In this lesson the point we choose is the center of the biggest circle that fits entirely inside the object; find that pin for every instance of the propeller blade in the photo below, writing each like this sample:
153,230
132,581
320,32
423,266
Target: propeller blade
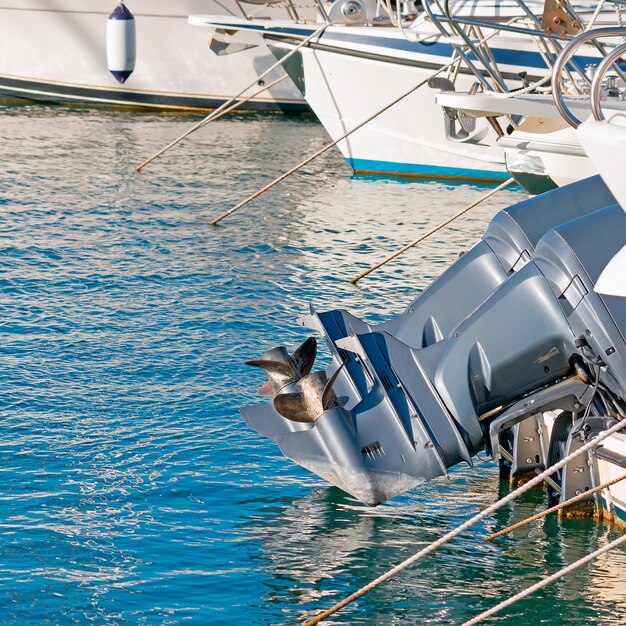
312,388
273,367
293,407
279,353
278,367
282,368
267,389
304,356
329,399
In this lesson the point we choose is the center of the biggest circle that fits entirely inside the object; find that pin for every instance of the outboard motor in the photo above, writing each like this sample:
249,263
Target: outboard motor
508,331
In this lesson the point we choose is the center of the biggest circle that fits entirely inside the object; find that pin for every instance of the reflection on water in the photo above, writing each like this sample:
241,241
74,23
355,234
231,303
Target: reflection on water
131,489
324,545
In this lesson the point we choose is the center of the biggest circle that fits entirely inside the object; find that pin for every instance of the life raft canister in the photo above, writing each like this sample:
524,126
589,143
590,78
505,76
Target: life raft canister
121,43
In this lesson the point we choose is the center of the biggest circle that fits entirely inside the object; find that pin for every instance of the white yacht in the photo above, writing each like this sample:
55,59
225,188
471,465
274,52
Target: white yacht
354,69
542,147
56,51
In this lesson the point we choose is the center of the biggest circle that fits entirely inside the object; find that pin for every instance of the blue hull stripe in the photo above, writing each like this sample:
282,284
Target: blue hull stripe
523,59
434,171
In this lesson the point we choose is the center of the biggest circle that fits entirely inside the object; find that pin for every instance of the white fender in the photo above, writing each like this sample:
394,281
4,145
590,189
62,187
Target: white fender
121,43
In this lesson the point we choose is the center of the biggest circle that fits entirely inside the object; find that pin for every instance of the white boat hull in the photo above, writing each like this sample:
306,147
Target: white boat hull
407,140
558,153
351,73
543,150
55,51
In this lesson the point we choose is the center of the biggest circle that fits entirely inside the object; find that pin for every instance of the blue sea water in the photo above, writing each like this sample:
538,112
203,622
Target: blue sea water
130,489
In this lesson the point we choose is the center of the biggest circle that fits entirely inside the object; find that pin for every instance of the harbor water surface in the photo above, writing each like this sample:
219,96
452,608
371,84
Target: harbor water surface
130,489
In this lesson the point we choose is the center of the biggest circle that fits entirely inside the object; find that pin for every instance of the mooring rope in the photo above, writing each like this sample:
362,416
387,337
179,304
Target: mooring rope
546,581
595,15
214,115
553,509
232,102
432,231
465,525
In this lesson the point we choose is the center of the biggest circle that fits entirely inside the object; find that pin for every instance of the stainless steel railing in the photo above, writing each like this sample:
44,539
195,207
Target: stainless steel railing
565,56
598,80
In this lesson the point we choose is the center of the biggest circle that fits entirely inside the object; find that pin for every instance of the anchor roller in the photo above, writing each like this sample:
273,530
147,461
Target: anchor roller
121,43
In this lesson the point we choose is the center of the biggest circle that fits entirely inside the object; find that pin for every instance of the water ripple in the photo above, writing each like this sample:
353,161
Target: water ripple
132,490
